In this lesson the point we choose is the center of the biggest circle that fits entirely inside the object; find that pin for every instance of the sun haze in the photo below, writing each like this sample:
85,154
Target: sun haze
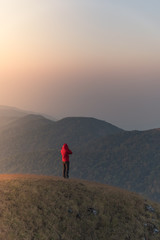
82,58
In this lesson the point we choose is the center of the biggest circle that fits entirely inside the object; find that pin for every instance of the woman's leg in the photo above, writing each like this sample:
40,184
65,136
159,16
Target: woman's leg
67,169
64,169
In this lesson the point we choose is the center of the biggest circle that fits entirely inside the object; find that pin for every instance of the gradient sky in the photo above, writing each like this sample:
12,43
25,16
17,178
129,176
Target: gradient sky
97,58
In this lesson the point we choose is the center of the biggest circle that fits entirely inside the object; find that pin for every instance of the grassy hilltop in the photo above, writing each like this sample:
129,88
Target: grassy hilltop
51,208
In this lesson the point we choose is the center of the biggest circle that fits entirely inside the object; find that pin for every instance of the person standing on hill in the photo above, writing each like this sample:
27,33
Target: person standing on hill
65,151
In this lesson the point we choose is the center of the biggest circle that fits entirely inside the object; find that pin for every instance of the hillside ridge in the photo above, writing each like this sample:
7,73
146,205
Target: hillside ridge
41,207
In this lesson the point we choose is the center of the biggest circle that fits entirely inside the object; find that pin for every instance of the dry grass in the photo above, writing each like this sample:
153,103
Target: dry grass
51,208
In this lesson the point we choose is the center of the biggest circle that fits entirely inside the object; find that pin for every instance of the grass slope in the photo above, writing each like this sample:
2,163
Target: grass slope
50,208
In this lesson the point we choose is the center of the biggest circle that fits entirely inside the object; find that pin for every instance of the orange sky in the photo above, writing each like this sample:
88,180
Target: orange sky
50,35
49,46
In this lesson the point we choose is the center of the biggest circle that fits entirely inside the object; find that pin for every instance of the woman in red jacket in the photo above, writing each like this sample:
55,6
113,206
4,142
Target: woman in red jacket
65,151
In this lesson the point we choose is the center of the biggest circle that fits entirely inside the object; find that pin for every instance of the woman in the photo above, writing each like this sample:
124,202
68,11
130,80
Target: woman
65,151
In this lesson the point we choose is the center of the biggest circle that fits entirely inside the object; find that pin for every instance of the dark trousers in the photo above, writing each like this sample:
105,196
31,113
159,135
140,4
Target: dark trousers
66,169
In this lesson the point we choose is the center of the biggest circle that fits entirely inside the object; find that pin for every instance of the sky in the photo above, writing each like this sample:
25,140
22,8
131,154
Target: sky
93,58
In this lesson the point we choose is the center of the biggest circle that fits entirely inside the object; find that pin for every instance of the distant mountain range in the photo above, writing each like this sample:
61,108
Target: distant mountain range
101,151
9,114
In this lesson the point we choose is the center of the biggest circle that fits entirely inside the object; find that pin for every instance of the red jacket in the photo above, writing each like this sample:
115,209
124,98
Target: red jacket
65,151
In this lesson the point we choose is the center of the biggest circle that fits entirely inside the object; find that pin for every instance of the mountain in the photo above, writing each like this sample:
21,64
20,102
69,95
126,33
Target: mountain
101,152
31,144
9,114
38,207
129,160
6,111
36,133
